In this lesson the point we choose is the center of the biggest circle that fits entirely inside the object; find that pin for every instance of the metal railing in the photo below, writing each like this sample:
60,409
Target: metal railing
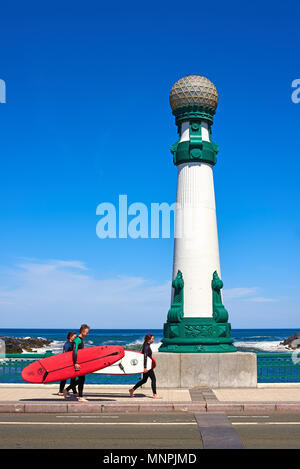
277,368
12,364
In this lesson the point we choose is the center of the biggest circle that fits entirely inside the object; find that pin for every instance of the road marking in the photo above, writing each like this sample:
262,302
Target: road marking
249,416
98,423
265,423
87,416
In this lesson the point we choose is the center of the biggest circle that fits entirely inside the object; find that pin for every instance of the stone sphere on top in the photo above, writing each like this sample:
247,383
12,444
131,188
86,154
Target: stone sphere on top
194,90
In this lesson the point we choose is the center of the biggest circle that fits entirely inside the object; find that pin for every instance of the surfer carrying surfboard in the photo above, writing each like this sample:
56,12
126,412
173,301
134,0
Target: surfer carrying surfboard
146,350
77,345
68,346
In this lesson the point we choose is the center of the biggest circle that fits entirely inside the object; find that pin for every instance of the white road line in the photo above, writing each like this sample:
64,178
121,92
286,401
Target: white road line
87,416
249,416
98,423
265,423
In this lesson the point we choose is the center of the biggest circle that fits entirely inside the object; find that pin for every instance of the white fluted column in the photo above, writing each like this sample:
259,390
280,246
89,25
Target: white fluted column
196,249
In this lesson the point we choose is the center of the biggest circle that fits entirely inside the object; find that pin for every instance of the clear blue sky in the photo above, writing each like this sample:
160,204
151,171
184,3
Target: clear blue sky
87,118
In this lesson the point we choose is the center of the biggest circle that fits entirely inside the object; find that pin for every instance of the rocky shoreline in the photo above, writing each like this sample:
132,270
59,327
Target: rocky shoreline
293,342
21,344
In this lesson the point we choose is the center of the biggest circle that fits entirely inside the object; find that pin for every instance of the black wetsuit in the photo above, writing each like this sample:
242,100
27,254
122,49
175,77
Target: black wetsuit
68,346
77,345
146,350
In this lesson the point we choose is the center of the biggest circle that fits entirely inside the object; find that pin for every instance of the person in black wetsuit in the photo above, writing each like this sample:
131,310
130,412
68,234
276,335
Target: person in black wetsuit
68,346
77,345
146,350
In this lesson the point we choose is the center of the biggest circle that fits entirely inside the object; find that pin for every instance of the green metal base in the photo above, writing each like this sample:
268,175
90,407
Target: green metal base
197,335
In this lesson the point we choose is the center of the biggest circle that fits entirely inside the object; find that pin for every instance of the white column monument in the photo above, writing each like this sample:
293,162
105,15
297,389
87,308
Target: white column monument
197,320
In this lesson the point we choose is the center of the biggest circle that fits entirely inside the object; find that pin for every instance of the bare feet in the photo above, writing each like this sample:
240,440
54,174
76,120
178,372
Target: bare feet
66,394
155,396
60,394
131,391
82,399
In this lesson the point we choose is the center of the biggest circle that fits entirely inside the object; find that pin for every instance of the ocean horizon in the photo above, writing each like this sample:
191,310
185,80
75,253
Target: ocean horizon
246,340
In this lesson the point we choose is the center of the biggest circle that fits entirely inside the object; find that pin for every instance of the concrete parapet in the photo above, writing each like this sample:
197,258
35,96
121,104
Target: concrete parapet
216,370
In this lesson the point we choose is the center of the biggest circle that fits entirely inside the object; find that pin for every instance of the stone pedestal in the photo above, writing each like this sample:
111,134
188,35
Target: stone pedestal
217,370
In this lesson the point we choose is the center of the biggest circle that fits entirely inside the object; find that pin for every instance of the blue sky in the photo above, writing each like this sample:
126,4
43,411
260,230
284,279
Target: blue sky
87,118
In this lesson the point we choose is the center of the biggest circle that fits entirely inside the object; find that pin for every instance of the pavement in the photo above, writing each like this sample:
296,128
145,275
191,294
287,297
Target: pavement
29,398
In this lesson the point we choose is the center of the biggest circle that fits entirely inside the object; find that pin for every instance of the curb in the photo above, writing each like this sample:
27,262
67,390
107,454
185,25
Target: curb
165,407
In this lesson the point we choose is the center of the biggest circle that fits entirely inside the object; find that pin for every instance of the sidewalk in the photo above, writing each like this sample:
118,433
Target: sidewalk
282,392
115,399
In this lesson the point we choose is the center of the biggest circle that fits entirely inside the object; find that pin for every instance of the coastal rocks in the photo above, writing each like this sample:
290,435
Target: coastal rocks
20,344
292,342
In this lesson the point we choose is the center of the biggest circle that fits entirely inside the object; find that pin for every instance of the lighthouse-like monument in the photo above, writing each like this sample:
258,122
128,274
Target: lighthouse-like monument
197,320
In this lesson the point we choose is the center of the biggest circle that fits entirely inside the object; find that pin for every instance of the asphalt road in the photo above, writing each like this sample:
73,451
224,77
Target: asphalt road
131,431
268,431
139,431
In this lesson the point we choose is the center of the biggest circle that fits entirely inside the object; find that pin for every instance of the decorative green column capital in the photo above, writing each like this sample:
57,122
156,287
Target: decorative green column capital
193,112
195,149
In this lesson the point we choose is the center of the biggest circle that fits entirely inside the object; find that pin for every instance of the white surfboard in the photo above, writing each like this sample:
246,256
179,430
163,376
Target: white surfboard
132,363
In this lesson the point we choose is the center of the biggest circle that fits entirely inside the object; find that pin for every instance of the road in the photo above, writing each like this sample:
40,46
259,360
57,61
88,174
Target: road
130,431
268,431
139,431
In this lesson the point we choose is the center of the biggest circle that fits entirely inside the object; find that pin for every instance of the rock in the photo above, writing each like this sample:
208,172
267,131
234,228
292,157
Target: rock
292,342
20,344
295,344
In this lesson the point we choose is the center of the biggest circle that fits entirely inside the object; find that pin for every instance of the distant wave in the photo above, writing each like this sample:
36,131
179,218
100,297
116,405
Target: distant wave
137,345
263,346
136,342
107,342
257,337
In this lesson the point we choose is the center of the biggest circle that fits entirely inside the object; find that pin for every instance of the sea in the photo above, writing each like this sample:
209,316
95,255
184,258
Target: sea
245,340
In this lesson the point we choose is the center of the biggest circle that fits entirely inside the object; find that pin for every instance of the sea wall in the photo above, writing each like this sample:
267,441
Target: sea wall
218,370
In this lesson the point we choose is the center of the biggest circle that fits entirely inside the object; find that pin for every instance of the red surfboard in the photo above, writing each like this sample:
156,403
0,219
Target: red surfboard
60,367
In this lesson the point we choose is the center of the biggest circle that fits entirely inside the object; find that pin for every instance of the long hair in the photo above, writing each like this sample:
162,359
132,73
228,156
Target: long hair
147,337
